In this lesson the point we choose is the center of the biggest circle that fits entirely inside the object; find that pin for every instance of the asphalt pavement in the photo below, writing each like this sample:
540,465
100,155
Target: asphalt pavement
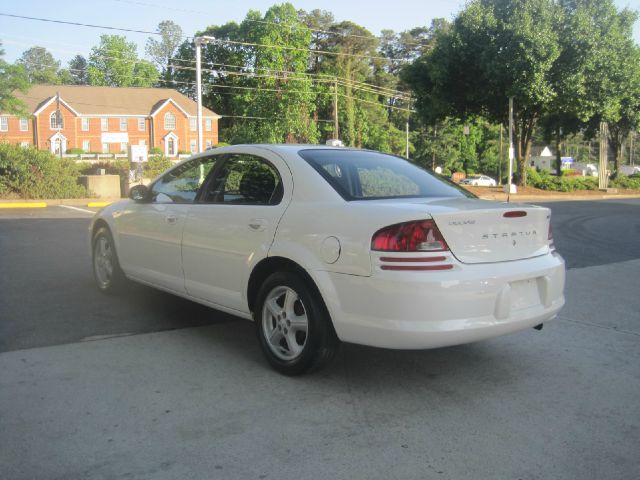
149,386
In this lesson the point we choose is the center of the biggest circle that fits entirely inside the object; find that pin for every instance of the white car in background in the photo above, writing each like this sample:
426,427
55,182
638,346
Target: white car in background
479,181
318,244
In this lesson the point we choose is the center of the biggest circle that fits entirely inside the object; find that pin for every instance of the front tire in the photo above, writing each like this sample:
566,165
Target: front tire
106,268
293,325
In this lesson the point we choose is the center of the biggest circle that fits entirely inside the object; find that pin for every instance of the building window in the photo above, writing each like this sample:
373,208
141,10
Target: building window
24,125
142,142
104,124
141,125
123,147
105,148
207,124
4,124
24,144
193,146
85,124
169,121
209,144
86,145
123,124
55,120
193,124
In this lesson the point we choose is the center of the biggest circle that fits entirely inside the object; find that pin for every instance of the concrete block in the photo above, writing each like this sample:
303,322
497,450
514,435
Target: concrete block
104,186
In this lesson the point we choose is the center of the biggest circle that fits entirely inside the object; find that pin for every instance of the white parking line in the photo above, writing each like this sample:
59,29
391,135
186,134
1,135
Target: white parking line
78,209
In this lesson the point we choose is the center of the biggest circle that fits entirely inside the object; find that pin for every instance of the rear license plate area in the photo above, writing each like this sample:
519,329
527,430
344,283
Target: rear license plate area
524,294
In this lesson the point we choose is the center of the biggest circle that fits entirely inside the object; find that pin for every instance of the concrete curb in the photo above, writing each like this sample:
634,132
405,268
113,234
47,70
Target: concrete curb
23,205
78,202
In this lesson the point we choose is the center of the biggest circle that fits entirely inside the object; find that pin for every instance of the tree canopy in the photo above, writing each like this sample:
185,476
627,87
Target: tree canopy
115,63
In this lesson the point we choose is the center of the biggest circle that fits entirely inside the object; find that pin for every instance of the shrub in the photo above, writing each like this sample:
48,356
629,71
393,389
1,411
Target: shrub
545,181
75,151
155,151
32,173
156,165
632,181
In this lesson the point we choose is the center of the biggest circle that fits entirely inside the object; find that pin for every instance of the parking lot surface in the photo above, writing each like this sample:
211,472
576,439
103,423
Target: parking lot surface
149,386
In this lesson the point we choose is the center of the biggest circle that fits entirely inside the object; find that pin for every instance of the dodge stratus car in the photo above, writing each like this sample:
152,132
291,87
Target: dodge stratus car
318,245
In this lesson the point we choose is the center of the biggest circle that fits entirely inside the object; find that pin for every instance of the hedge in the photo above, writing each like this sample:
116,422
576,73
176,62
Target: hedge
32,173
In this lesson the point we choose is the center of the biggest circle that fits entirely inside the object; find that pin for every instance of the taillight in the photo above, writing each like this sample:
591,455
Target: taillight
417,236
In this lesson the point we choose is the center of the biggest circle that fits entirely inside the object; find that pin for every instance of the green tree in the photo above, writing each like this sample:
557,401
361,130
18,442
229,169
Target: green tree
163,49
604,84
12,78
115,63
495,49
78,70
40,66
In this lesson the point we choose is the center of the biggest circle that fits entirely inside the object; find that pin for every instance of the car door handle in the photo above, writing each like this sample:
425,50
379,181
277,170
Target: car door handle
171,219
257,224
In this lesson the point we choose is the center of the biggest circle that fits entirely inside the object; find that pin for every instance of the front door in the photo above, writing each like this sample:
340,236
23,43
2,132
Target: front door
58,144
150,234
233,225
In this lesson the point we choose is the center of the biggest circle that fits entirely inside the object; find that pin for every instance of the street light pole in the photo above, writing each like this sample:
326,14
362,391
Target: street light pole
199,41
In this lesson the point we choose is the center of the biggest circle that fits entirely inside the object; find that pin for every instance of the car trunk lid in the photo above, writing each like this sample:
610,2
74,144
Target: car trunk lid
495,234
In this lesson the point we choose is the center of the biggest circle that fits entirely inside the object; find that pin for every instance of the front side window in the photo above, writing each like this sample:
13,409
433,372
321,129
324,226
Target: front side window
169,121
85,124
4,124
55,120
181,184
24,125
362,175
104,124
245,180
123,124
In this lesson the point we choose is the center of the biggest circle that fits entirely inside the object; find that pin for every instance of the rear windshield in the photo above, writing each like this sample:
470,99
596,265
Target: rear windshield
367,175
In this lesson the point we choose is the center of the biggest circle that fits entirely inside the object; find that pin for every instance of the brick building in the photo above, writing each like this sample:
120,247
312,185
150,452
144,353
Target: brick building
108,119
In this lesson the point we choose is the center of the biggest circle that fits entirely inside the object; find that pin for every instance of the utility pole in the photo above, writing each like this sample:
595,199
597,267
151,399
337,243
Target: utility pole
500,157
407,128
510,188
336,132
199,41
59,124
603,174
433,153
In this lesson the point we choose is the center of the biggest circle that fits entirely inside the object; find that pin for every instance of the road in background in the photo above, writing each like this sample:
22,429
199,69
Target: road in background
149,386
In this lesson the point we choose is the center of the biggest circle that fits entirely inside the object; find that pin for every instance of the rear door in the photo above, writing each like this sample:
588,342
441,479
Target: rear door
233,225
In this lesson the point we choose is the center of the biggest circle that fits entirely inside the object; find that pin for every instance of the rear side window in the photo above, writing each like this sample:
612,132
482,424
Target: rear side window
245,180
362,175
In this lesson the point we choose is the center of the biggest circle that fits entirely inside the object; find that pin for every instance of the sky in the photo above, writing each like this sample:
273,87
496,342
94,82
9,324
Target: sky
65,41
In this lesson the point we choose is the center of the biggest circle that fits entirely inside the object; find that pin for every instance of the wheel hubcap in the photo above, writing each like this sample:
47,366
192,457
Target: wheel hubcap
284,323
103,261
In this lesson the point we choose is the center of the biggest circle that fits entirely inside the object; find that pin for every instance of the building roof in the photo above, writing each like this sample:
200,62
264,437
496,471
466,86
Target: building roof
90,100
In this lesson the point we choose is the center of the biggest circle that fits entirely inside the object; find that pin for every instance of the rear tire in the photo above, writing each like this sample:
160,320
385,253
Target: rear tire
107,273
293,325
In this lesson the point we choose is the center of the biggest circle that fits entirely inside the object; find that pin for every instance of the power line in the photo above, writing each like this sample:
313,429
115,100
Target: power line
266,22
249,44
364,86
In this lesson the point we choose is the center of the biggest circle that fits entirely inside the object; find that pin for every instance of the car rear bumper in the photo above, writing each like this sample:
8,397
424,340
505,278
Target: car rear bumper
415,310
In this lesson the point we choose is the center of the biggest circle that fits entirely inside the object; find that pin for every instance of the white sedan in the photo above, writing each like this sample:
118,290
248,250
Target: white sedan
479,181
318,244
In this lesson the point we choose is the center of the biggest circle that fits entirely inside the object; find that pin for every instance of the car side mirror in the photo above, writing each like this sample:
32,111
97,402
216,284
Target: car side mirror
140,193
